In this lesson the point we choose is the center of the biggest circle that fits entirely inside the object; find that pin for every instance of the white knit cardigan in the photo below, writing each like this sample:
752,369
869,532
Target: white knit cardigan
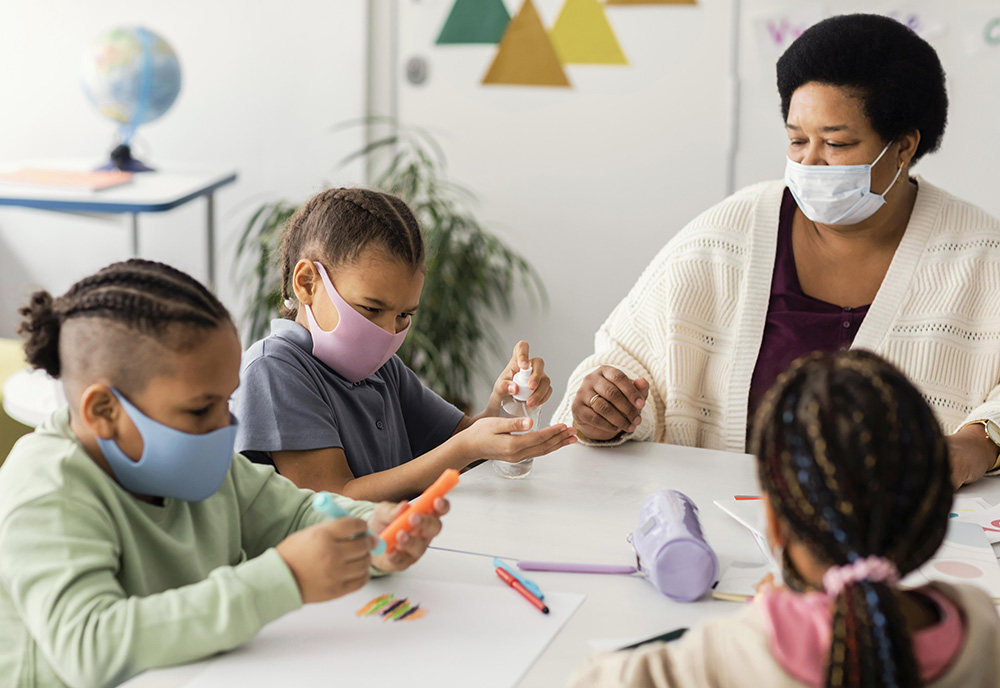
692,324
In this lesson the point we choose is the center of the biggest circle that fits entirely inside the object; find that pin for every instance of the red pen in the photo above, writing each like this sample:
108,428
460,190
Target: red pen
525,593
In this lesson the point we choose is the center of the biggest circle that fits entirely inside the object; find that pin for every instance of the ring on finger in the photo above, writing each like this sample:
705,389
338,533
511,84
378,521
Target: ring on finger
593,399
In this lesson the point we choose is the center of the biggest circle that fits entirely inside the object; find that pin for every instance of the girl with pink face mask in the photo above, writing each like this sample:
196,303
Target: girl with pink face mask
324,398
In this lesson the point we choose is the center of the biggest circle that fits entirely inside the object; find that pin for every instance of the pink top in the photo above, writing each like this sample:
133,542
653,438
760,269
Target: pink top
799,635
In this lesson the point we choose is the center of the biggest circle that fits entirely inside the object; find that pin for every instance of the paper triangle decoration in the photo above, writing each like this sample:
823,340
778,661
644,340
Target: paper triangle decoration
652,2
525,56
474,21
582,35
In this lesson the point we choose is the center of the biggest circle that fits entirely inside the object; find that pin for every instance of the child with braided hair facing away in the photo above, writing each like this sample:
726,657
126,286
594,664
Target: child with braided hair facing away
325,399
855,478
131,535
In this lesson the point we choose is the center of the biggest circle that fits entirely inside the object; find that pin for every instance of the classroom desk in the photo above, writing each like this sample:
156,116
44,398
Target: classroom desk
577,505
166,188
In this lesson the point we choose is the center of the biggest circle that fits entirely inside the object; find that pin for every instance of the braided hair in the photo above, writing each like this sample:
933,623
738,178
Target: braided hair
854,461
336,225
144,297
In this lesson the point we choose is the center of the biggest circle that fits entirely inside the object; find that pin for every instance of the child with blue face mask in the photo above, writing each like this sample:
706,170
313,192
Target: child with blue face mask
325,400
131,536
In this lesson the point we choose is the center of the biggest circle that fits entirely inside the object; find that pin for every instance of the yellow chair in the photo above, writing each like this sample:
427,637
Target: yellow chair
11,361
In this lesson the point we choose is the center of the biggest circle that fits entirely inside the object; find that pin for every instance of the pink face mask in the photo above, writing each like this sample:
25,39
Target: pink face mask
356,347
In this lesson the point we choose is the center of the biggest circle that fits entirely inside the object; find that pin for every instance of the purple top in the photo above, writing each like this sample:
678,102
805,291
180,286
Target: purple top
796,324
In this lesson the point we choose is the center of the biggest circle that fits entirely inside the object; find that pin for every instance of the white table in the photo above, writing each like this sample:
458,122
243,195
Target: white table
577,505
168,187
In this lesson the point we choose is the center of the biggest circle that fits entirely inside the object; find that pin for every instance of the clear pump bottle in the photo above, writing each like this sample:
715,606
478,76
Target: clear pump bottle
516,406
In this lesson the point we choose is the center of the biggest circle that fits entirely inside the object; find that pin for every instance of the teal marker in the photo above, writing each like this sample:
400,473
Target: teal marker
324,503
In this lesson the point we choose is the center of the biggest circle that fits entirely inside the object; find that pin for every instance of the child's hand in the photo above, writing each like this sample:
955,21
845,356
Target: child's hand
505,386
490,438
328,559
409,546
766,585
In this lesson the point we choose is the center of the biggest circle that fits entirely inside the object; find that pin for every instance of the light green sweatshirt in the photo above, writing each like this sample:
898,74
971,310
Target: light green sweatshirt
97,586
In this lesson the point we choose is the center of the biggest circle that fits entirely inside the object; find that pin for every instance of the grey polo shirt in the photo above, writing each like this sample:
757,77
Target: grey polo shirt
290,400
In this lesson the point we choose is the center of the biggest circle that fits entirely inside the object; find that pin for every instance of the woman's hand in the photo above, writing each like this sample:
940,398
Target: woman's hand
972,454
609,403
410,546
539,382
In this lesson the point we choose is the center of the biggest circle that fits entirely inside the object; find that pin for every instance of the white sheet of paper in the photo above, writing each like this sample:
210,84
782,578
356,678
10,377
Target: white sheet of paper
750,514
965,505
965,557
987,519
740,580
472,635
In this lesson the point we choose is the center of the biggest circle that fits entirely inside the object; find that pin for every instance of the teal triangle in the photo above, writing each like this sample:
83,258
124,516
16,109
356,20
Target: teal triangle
475,21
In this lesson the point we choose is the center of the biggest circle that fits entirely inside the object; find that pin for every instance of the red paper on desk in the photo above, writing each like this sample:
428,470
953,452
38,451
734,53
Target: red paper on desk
67,179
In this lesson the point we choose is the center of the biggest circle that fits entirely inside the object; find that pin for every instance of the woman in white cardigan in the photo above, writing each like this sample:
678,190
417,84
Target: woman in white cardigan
847,250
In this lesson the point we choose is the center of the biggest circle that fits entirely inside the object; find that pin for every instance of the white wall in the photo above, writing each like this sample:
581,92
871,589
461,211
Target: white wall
587,182
264,82
963,165
591,182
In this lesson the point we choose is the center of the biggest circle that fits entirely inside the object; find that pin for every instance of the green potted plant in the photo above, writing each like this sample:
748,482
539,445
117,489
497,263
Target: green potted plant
472,276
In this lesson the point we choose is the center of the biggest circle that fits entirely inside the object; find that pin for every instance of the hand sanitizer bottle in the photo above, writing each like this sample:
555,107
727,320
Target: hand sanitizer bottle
516,407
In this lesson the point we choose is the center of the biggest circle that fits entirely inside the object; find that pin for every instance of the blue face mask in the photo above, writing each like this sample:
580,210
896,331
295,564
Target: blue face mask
173,464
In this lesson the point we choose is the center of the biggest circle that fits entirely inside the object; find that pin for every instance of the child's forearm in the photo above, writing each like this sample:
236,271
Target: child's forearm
466,422
92,632
413,477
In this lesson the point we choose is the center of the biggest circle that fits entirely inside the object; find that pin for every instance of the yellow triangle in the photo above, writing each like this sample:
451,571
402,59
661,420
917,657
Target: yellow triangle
525,56
582,35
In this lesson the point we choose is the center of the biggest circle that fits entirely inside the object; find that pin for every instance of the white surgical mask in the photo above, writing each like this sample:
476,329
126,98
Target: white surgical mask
835,194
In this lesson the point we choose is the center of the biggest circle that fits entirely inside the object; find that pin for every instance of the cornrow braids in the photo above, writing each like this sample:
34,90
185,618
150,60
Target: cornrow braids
854,461
143,296
336,225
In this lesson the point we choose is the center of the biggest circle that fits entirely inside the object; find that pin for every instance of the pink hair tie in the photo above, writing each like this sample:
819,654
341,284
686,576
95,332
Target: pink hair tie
874,569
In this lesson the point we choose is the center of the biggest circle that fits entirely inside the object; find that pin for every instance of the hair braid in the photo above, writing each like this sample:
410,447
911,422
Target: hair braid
142,295
848,451
336,225
291,243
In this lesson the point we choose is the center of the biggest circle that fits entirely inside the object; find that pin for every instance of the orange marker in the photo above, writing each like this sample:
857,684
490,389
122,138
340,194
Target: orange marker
424,504
525,593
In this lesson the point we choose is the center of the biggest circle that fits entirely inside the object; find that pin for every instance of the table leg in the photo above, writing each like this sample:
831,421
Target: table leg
135,234
210,238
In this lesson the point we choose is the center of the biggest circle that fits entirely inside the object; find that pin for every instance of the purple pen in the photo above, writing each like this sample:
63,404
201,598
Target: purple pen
565,567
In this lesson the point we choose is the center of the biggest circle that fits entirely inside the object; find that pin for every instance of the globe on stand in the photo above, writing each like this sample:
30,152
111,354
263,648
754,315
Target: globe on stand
132,76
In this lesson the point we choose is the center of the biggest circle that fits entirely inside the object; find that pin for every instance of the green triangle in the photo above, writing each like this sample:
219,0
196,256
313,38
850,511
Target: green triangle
475,21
